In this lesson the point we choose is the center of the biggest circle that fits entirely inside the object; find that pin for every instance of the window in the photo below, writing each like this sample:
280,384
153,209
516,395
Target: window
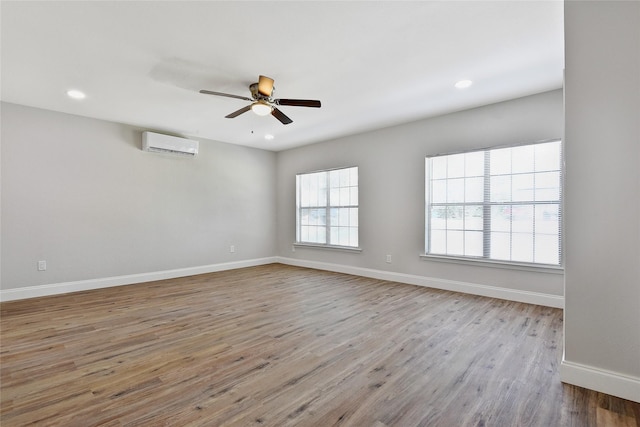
327,207
501,204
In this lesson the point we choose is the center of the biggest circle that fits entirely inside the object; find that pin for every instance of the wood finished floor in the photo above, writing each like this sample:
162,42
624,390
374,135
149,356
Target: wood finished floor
278,345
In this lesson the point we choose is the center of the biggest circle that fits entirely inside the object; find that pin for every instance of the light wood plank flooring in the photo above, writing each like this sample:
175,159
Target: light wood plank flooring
278,345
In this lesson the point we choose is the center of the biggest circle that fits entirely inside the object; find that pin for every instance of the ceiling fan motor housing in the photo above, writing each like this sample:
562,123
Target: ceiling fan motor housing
255,93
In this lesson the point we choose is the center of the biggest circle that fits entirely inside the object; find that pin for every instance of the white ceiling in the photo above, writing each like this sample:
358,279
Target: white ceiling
372,64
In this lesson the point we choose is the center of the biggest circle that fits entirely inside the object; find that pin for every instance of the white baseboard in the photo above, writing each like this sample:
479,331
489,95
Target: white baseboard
85,285
600,380
547,300
450,285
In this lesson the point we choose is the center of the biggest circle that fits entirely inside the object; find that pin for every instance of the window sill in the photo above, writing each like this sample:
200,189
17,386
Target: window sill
550,269
329,247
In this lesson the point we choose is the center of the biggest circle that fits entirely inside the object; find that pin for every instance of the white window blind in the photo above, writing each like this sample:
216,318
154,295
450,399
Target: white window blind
500,204
327,207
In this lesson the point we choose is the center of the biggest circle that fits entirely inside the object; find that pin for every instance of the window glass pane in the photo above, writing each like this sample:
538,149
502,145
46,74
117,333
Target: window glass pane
322,198
455,217
547,219
344,196
438,218
522,218
344,177
522,159
473,243
439,167
500,188
455,190
353,217
353,176
353,195
500,246
547,250
547,156
353,236
334,196
316,181
500,161
304,233
333,216
501,218
304,216
548,186
439,191
455,242
322,180
522,247
304,190
473,217
474,189
455,166
522,188
334,179
344,236
343,217
322,189
313,190
438,242
321,216
474,164
334,235
313,234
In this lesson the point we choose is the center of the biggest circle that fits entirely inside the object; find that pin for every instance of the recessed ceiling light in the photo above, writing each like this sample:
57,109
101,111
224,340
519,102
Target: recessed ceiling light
76,94
268,137
463,84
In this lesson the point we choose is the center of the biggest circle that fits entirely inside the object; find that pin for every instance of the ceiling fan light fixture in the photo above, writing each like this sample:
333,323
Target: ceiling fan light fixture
261,108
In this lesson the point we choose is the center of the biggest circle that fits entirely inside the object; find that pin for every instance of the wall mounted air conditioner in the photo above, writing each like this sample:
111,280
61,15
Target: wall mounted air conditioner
159,143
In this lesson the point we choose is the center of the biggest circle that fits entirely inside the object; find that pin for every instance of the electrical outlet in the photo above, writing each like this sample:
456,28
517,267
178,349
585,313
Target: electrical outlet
389,259
42,265
232,248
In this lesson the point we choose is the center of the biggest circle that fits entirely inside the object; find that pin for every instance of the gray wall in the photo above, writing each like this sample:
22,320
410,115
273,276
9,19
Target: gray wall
391,187
80,194
602,316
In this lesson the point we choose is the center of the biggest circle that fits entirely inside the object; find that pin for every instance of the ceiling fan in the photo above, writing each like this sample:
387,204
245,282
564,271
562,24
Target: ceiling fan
263,103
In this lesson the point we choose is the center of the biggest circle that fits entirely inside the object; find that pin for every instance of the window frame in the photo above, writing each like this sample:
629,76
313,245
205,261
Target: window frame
485,259
327,207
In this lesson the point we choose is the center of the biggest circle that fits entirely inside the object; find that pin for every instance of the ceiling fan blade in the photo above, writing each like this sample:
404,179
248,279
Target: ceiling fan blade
265,86
228,95
238,112
299,102
281,116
